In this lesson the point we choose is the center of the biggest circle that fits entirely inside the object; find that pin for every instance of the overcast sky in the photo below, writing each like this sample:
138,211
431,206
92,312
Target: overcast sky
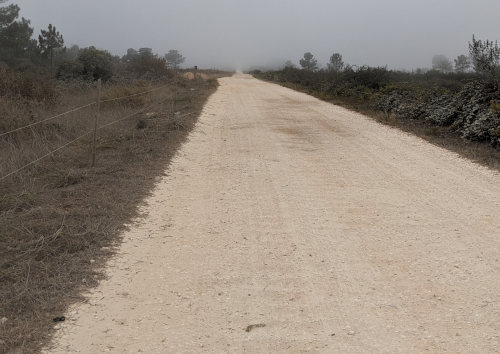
242,33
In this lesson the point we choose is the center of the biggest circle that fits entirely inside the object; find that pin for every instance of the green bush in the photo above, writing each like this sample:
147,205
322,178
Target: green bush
150,65
69,70
97,64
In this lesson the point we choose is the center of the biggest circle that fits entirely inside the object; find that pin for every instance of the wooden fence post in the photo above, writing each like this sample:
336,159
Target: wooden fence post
174,98
94,143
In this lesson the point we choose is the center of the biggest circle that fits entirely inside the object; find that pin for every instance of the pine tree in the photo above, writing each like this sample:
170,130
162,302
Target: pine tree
174,59
462,64
15,35
50,40
336,63
309,62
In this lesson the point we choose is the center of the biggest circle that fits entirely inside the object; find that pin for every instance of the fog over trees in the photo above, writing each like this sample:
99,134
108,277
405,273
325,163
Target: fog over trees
240,34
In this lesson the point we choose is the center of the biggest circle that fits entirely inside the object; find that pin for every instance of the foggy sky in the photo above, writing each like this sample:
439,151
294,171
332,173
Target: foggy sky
237,34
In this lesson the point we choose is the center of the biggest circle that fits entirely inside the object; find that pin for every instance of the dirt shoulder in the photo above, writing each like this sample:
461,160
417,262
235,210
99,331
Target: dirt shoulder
62,220
286,224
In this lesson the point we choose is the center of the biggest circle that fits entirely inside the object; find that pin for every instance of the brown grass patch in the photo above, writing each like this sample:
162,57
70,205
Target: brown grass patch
133,97
60,220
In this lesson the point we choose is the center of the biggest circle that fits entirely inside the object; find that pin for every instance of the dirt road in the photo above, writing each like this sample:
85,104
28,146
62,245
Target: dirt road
327,231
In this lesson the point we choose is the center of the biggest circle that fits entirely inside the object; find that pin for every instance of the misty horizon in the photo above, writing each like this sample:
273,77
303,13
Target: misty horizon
238,35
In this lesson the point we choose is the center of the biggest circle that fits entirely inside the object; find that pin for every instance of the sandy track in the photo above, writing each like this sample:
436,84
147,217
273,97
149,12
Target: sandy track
339,234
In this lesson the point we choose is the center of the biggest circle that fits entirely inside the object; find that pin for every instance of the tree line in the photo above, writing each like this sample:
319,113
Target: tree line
483,58
20,50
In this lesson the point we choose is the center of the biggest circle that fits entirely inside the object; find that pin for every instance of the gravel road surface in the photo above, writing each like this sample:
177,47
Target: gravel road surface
287,224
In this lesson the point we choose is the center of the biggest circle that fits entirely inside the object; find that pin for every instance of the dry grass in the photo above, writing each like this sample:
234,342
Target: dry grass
60,219
134,100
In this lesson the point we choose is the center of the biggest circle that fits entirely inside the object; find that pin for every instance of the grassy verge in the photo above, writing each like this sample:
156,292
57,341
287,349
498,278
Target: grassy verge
365,101
60,220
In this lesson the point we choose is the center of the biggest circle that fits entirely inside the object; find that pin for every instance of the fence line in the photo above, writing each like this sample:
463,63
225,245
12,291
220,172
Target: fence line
78,109
48,119
80,137
136,94
44,156
127,117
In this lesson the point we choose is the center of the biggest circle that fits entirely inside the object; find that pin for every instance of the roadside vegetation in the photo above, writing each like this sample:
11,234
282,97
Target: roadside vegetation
455,105
60,219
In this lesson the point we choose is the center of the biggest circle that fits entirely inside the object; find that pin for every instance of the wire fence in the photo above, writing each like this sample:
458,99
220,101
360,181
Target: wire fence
47,119
76,109
44,156
134,95
96,127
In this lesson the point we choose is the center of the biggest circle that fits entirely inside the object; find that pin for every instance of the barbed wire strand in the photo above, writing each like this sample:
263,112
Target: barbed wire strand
78,109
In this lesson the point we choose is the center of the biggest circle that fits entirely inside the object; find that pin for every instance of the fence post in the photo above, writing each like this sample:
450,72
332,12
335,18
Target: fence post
174,98
94,142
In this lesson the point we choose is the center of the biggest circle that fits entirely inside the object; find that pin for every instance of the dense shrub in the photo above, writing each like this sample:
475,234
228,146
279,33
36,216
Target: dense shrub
70,70
441,111
484,127
150,65
97,64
